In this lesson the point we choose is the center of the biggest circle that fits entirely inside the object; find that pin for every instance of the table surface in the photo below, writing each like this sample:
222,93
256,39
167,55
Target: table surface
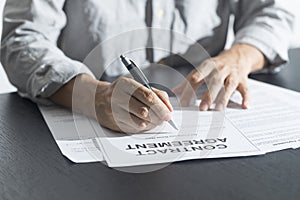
32,167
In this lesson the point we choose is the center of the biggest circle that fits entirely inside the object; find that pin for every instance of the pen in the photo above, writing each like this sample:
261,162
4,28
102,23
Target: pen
140,77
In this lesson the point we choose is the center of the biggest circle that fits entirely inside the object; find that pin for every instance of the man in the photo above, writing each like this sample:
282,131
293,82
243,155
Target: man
45,42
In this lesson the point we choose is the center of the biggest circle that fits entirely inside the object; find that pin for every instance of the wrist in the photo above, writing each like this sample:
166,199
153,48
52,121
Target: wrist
249,56
86,94
79,93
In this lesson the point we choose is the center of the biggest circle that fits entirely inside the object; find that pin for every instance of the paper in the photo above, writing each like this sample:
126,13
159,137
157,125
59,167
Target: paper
273,121
80,151
271,124
79,147
201,135
5,85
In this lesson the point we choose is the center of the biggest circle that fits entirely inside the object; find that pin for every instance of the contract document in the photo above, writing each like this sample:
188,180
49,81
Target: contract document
79,148
273,121
200,135
271,124
5,86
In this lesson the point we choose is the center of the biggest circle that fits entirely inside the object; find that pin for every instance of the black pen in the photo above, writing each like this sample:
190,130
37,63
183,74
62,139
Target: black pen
140,77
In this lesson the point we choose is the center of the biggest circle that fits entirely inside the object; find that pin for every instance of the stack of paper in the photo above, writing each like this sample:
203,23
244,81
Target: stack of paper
5,86
271,124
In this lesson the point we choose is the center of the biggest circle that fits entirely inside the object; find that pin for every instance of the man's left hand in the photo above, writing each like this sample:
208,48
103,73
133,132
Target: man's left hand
223,75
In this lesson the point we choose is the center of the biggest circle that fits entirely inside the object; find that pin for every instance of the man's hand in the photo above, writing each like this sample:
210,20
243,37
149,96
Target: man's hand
124,105
223,75
127,106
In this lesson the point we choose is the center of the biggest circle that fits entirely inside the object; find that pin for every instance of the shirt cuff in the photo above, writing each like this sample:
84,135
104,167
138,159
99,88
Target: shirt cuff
275,52
50,78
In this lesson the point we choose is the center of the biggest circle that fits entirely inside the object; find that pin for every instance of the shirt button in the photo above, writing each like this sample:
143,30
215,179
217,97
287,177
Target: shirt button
161,13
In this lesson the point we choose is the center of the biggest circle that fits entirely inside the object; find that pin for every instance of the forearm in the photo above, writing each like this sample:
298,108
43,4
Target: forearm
124,105
247,55
79,93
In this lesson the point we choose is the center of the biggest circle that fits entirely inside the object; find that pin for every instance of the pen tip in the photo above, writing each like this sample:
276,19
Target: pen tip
173,124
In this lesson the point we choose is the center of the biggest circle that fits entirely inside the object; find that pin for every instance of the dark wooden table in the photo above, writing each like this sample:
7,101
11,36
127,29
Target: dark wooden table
32,167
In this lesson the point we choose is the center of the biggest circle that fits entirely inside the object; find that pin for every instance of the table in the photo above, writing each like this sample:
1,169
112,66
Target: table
32,167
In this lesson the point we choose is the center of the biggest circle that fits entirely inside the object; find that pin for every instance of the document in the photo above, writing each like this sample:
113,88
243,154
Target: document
271,124
5,86
200,135
78,147
273,121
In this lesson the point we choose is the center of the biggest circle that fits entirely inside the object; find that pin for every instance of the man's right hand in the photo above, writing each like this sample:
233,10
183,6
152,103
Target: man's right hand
124,105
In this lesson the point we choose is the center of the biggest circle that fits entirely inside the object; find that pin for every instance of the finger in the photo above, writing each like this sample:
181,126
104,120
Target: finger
141,111
196,76
135,125
164,97
206,68
188,93
126,84
243,89
123,127
129,123
136,107
193,83
215,84
194,80
179,89
150,99
231,83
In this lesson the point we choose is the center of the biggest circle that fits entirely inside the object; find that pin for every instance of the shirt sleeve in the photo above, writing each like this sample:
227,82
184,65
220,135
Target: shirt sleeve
29,52
267,25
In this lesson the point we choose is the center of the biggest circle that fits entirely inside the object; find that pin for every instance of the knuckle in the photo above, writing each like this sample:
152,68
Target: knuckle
231,81
206,62
164,94
149,96
194,77
141,125
235,67
245,89
215,79
144,112
210,62
221,67
235,72
123,80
